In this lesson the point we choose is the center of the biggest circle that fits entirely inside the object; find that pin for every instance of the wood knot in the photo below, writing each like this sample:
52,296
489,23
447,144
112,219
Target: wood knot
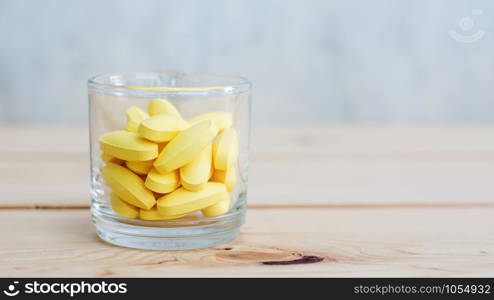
306,259
269,256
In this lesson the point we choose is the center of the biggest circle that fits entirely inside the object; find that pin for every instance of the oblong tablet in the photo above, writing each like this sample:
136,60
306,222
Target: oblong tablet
128,186
123,208
185,146
128,146
225,149
228,177
220,119
182,201
153,215
195,174
140,167
162,106
134,117
219,208
162,128
162,183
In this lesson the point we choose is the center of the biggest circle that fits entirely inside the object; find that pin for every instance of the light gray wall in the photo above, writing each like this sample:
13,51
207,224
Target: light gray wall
310,61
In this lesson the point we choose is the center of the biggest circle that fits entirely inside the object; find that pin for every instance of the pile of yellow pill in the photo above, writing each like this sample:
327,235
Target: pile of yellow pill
163,167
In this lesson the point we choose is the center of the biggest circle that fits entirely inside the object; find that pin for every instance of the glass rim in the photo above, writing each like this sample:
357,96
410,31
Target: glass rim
242,83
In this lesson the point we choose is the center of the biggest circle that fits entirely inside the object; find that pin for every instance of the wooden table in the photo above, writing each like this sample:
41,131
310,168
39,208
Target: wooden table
323,201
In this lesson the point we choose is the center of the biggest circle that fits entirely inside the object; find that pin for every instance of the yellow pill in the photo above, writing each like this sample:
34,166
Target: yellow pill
123,208
162,128
219,208
162,106
108,158
140,167
225,149
162,183
128,146
182,201
128,186
153,215
185,146
195,174
132,127
228,177
220,119
135,116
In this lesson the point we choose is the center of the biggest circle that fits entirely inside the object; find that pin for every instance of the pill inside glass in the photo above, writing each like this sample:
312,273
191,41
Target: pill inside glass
169,158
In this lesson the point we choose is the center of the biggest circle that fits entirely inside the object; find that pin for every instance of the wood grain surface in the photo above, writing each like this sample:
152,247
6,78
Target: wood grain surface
323,201
308,165
274,242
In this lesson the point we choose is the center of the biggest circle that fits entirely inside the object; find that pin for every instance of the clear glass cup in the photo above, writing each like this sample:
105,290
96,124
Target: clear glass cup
110,95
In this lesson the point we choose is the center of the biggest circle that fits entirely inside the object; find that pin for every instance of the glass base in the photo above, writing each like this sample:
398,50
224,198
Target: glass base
167,243
168,235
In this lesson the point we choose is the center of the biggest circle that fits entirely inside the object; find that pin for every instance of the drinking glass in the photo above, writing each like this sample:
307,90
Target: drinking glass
110,95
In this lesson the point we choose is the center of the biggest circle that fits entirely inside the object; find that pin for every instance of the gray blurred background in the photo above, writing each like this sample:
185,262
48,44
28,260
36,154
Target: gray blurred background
384,61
